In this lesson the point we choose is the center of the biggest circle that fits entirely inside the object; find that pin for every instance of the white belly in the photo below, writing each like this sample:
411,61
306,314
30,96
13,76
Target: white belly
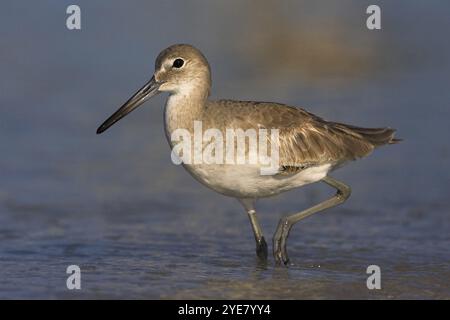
246,181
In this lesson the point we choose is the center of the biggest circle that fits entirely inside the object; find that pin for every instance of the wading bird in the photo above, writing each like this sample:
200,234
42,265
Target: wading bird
309,146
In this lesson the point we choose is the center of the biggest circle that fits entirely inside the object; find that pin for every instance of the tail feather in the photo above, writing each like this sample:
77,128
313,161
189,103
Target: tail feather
375,136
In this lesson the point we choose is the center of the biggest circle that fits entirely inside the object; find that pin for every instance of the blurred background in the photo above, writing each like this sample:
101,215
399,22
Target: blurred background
141,227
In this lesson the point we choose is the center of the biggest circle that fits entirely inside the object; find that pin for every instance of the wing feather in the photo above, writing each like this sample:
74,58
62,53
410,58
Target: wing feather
304,138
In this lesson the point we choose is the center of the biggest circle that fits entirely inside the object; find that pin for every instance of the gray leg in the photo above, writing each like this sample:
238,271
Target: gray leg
261,245
286,223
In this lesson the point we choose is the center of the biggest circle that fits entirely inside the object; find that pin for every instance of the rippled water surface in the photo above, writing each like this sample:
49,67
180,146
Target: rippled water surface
141,227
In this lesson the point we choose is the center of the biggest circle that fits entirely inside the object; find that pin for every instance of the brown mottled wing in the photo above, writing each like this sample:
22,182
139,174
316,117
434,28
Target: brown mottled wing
318,142
304,139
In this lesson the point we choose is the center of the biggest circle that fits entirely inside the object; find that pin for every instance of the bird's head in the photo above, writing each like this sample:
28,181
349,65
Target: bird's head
179,69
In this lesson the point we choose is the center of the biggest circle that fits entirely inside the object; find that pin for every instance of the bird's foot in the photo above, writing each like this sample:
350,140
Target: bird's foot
279,243
261,249
281,256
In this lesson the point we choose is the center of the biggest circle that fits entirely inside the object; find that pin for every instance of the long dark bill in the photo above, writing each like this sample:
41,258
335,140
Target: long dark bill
146,92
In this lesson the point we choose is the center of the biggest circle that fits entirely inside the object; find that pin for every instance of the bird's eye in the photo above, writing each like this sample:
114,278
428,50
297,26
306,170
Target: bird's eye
178,63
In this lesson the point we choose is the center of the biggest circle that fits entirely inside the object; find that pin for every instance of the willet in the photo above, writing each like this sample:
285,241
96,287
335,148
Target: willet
309,147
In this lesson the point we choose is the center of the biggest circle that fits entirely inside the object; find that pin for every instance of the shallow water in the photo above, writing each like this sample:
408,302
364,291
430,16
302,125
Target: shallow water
141,227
